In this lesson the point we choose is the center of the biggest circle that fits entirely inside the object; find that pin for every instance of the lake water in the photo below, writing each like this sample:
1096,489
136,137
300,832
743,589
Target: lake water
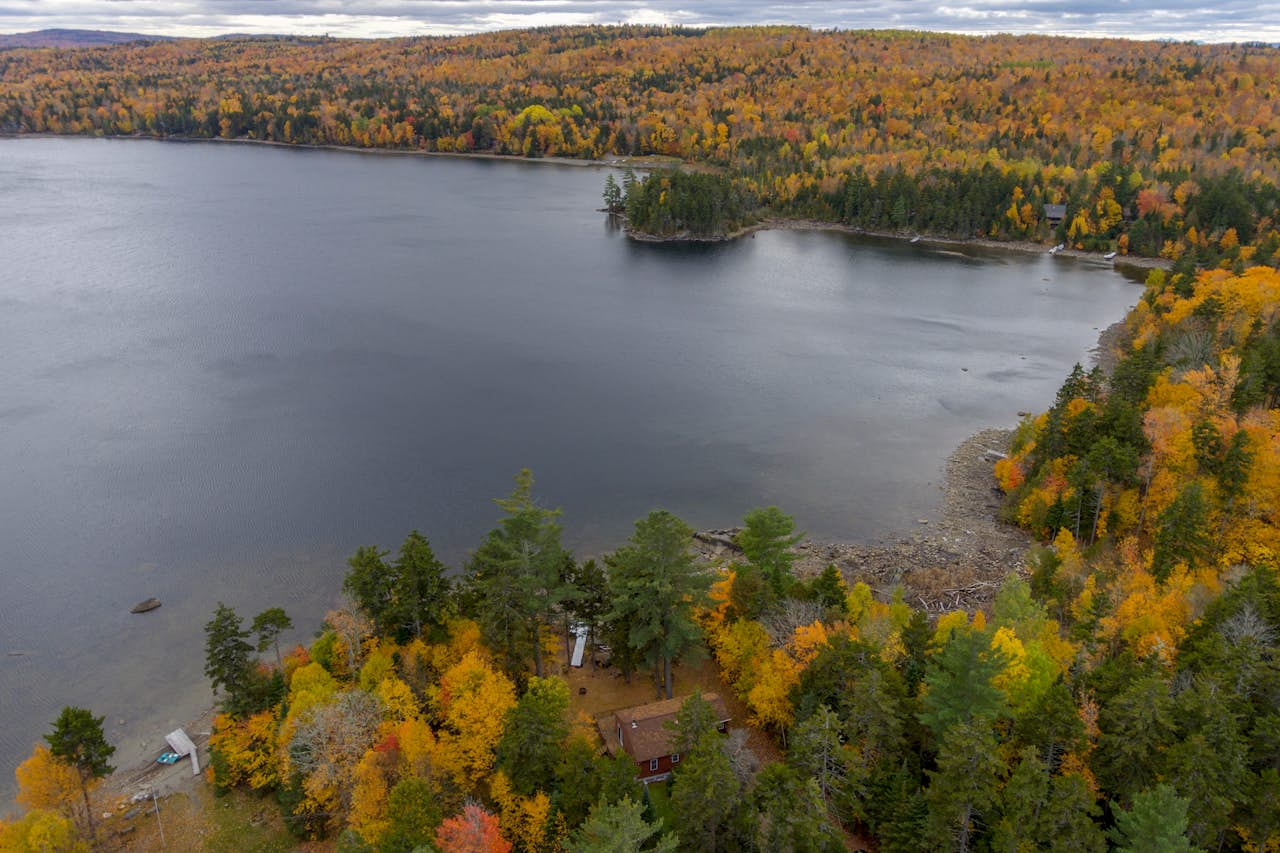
224,367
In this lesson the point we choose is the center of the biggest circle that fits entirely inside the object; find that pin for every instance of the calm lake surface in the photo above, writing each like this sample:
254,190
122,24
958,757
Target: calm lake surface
224,367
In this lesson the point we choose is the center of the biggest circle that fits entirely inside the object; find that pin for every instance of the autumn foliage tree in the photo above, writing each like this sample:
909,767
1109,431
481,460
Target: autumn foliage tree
46,782
473,831
472,702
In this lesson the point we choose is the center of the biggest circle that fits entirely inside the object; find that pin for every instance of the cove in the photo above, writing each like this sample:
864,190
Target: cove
226,366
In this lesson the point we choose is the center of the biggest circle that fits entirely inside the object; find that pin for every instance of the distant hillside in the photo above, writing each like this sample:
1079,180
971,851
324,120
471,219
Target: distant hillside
1133,147
72,38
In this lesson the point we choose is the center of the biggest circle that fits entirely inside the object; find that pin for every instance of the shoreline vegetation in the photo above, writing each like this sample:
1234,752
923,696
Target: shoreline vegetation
637,163
685,204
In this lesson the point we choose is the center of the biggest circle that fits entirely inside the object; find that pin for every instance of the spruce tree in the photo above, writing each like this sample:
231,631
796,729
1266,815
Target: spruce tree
696,718
818,754
420,590
228,660
533,735
371,585
613,200
965,786
960,687
1181,532
789,813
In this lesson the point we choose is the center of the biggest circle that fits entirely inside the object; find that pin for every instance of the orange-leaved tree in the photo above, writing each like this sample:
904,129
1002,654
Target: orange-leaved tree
472,831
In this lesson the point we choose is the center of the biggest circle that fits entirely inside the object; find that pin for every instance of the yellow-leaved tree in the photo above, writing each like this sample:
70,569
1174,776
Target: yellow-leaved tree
44,782
41,831
375,776
245,750
527,821
471,701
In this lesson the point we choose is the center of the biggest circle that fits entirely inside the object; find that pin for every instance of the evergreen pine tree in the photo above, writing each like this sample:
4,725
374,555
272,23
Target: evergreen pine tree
767,538
619,828
516,577
77,740
705,793
268,625
656,582
965,786
1157,823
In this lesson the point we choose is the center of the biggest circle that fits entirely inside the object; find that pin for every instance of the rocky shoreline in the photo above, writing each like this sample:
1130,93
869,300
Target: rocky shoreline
784,224
960,561
957,562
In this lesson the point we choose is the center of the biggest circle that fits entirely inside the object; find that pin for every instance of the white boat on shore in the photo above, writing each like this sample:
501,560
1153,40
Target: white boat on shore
1109,256
1058,248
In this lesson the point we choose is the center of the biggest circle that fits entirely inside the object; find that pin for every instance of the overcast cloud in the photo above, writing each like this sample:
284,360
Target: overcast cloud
1179,19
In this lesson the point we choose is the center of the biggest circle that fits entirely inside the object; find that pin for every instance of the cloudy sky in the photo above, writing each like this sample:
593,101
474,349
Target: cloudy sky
1205,20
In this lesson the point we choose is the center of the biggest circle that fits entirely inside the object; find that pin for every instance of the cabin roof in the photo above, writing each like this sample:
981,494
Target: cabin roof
1055,211
644,732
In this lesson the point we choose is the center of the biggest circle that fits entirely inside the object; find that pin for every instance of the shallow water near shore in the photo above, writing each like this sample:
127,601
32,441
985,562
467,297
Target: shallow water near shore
225,367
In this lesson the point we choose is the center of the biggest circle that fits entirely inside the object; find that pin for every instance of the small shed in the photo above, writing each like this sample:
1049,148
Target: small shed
1055,213
183,745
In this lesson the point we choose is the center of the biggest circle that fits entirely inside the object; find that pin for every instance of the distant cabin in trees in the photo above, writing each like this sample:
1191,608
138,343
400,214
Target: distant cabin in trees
1054,214
642,733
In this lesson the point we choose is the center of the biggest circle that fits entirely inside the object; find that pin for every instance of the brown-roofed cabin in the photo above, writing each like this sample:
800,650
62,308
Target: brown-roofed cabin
641,733
1055,213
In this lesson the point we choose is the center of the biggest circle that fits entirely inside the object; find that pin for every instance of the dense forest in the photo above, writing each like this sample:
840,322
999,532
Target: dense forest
672,204
1154,148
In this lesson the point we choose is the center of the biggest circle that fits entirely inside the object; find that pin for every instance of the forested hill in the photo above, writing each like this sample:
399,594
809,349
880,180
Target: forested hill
1154,148
72,38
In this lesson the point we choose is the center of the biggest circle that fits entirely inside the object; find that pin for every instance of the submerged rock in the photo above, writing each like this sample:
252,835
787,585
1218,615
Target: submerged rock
145,606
